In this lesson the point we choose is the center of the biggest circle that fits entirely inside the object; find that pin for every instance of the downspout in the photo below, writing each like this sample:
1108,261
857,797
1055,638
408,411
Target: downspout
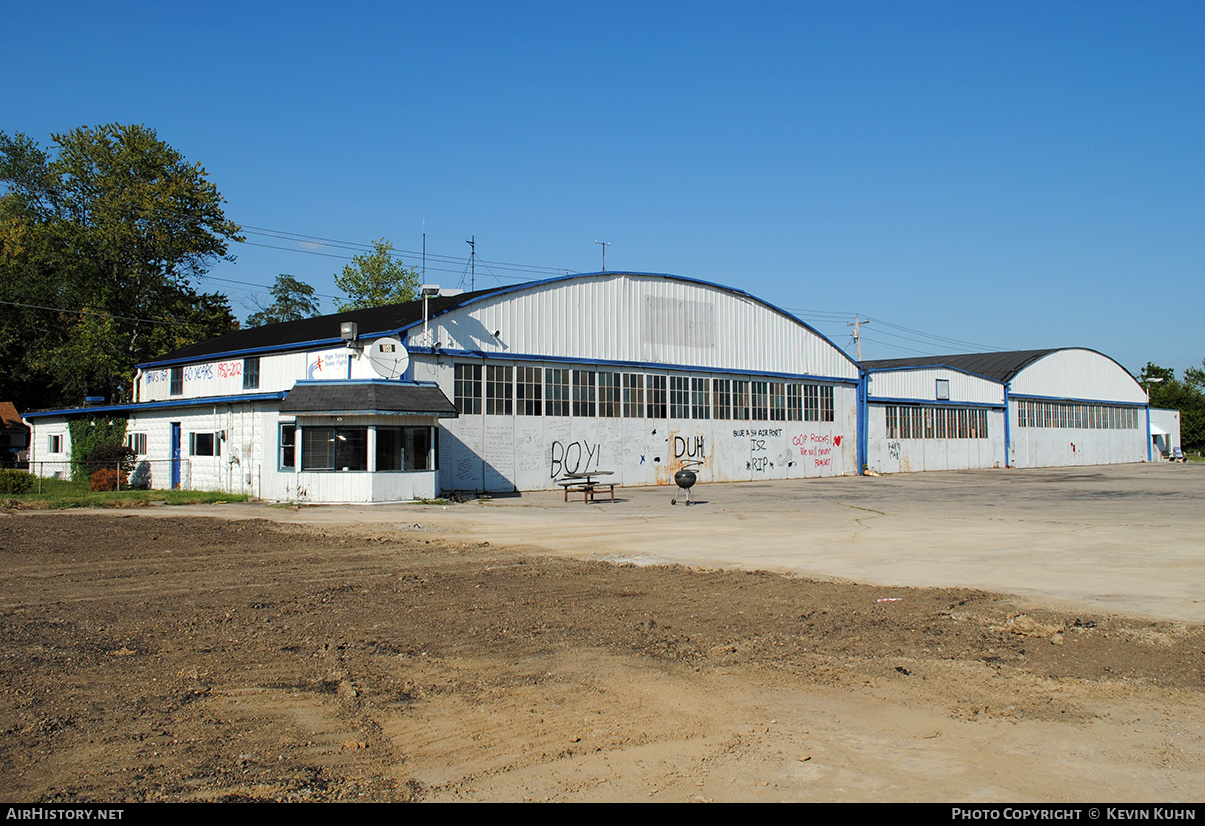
863,438
1007,431
1148,430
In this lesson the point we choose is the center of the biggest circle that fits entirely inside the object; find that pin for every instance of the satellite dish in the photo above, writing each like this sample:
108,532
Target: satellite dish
388,357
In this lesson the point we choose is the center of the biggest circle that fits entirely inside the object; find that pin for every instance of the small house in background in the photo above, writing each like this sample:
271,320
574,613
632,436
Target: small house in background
14,437
1165,434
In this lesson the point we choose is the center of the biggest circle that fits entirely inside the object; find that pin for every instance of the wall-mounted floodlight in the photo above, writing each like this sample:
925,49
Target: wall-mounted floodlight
349,331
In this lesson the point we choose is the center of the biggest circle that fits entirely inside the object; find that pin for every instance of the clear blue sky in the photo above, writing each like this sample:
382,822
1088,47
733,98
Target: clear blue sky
1007,176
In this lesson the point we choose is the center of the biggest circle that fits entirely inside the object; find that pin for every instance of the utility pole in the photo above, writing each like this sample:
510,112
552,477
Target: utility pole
472,264
605,244
857,325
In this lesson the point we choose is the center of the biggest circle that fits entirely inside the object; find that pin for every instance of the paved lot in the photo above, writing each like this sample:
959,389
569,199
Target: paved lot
1122,539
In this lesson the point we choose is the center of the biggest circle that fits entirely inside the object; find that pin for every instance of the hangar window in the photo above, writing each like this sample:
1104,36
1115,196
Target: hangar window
466,388
700,398
740,400
811,402
608,395
556,391
529,386
679,397
499,390
892,416
778,401
583,393
656,397
761,400
826,404
943,390
795,402
723,398
177,381
633,395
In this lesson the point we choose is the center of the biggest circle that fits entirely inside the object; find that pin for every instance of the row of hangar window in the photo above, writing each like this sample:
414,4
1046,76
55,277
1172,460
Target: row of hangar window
916,422
557,391
1071,414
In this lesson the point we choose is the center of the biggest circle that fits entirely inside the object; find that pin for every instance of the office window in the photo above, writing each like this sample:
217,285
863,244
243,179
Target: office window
529,386
251,373
288,446
466,387
54,443
137,443
330,448
499,390
177,382
204,444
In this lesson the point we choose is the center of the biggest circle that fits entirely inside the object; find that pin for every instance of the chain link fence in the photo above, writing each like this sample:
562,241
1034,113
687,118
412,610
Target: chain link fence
147,474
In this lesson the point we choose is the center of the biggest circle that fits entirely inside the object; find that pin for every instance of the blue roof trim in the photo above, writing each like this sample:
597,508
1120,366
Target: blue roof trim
300,346
346,382
873,370
199,401
930,403
530,284
1113,402
641,365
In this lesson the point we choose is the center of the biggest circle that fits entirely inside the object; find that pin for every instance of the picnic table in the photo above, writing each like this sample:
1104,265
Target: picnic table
587,484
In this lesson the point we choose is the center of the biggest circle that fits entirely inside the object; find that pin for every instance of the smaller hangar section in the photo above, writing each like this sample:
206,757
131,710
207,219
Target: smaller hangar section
1070,406
932,417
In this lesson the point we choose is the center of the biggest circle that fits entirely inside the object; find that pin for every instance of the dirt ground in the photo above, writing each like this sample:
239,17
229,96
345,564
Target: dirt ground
184,658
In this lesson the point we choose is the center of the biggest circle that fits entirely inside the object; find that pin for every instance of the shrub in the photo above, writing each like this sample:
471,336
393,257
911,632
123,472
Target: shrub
15,481
109,457
106,479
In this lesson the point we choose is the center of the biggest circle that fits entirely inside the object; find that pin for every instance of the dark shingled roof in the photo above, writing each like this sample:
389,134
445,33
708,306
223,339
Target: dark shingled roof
368,397
372,322
1001,367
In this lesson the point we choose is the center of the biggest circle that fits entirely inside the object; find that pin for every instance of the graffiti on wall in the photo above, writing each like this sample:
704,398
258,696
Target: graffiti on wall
575,457
893,450
230,369
689,447
817,448
198,371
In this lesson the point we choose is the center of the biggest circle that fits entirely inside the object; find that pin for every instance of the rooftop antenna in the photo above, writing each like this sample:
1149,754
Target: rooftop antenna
472,263
857,325
605,244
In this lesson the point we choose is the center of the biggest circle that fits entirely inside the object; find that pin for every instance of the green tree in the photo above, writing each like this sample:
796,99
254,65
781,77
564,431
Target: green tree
377,278
101,240
293,301
1186,396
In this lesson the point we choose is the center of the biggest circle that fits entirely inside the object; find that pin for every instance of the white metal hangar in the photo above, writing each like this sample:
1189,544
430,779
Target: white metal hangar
1027,408
496,390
